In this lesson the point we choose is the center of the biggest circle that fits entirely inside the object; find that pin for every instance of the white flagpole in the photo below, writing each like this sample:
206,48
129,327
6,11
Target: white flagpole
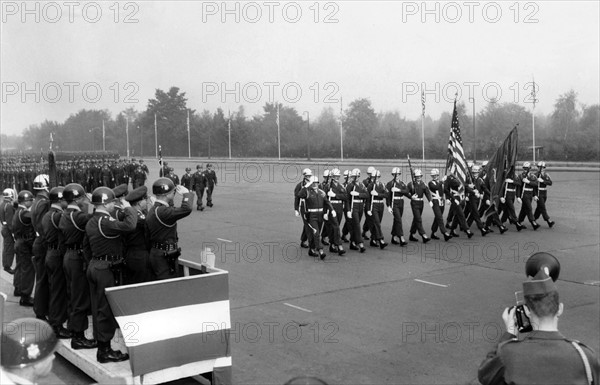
127,135
423,124
341,132
155,138
229,133
533,118
103,137
189,139
278,134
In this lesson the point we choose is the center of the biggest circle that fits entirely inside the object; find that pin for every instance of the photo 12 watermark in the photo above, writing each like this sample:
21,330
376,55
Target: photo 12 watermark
491,92
69,92
252,12
453,12
53,12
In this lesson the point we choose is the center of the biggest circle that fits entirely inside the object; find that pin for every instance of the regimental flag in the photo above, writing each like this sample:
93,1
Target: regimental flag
176,324
501,166
456,162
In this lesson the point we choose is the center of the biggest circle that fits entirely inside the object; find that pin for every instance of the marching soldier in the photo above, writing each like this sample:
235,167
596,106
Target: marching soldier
72,225
186,179
211,183
57,284
436,188
40,206
104,243
174,177
367,224
339,200
7,212
318,209
324,185
487,210
24,235
199,185
139,177
542,194
397,190
346,227
472,202
161,227
357,193
378,192
452,190
417,192
300,206
136,252
507,208
526,183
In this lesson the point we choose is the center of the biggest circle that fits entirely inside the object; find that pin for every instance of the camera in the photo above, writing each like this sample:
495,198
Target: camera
523,322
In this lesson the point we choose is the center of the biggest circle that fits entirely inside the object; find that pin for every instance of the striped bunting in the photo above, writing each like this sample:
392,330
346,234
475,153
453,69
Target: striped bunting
457,163
174,322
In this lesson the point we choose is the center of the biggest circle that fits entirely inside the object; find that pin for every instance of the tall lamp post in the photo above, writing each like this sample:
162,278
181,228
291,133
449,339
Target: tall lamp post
472,100
307,133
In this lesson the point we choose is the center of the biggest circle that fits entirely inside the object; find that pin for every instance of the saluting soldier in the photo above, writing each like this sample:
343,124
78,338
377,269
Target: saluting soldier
418,191
452,190
24,235
318,209
199,185
541,194
357,193
136,244
526,182
397,190
57,284
104,244
377,193
161,227
436,188
339,199
211,183
7,212
72,225
39,208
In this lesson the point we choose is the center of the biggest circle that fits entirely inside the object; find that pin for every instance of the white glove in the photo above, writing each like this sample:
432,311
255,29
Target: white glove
296,213
487,202
508,180
414,196
369,213
540,180
431,204
89,196
181,189
331,194
457,202
349,214
325,216
472,186
519,200
374,193
525,180
127,204
508,316
448,201
395,189
354,193
307,185
477,195
503,200
467,199
535,198
390,210
333,214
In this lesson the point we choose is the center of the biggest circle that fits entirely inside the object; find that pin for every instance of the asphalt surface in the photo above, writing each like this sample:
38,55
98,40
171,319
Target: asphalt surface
422,314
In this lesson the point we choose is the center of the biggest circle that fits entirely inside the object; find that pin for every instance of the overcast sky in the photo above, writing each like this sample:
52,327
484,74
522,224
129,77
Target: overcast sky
385,51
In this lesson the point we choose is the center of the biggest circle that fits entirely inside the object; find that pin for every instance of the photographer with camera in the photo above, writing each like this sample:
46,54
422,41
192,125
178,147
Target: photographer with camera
544,355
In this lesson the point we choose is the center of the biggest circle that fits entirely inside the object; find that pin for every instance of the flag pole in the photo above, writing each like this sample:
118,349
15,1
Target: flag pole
533,117
155,137
341,132
229,133
103,137
188,130
278,135
127,135
423,123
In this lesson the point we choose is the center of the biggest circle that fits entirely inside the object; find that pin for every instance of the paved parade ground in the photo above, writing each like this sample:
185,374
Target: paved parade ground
421,314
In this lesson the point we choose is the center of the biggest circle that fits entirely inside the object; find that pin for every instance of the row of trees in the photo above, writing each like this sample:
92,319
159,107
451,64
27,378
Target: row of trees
570,132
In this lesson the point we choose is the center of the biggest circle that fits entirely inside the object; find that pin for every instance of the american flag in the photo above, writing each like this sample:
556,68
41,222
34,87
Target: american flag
456,162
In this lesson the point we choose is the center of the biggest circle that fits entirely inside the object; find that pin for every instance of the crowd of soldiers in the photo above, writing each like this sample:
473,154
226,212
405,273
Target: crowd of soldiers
70,245
322,206
199,182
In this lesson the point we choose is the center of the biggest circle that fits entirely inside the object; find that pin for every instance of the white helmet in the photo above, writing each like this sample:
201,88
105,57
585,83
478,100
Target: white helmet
307,172
526,165
377,173
484,163
9,194
41,182
370,170
476,169
396,171
335,172
541,164
355,172
435,171
313,179
346,173
418,173
469,164
326,173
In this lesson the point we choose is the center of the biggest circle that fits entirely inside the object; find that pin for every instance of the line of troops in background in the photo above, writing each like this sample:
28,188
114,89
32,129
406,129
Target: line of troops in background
199,182
322,206
73,245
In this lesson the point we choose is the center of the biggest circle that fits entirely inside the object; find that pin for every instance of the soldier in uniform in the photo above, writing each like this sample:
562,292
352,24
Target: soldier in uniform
186,180
507,208
397,190
300,206
136,244
339,200
357,193
367,224
526,183
436,188
541,194
164,169
324,185
452,190
174,177
346,227
161,227
57,284
104,244
473,200
39,208
377,194
211,183
7,212
543,356
72,225
318,209
199,185
24,235
139,177
417,192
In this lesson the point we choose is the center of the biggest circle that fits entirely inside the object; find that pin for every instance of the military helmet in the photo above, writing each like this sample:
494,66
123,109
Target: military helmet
377,173
346,173
335,172
313,179
9,193
396,171
102,195
541,164
470,164
187,169
73,191
41,182
476,169
370,170
24,196
198,167
26,341
56,194
326,173
307,172
355,172
162,186
418,172
526,166
484,163
435,171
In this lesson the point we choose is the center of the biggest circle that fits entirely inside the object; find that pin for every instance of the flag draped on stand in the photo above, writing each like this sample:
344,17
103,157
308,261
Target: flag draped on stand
502,165
456,163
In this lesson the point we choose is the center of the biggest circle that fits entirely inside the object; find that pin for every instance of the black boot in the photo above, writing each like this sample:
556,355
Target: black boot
520,226
447,236
106,354
394,241
469,233
345,239
341,250
433,236
403,242
62,333
353,246
483,232
412,238
535,225
304,245
365,236
382,244
322,254
312,253
362,248
454,234
332,248
80,342
26,301
550,224
425,238
325,241
373,243
503,229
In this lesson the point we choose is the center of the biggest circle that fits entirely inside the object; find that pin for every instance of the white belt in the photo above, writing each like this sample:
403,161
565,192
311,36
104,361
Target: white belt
336,201
510,189
528,189
377,200
417,199
397,198
357,200
542,189
314,210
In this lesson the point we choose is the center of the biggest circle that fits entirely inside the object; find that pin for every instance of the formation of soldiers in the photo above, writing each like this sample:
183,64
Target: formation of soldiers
71,245
199,182
323,206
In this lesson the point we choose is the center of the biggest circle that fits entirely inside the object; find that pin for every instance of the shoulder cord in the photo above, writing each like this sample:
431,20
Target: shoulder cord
102,232
20,220
586,363
52,221
161,222
73,222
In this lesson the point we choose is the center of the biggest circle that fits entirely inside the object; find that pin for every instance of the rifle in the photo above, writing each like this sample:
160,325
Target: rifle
412,175
160,162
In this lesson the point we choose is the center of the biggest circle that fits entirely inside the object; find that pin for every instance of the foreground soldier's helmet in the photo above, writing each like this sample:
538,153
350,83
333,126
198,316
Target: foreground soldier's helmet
326,173
355,172
335,172
470,164
418,173
25,196
8,193
476,169
41,182
162,186
73,191
346,173
102,195
435,172
26,341
377,173
307,172
56,194
314,180
484,163
526,166
396,171
370,170
541,164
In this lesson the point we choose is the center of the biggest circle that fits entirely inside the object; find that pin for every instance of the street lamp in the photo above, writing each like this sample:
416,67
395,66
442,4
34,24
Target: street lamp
472,100
307,132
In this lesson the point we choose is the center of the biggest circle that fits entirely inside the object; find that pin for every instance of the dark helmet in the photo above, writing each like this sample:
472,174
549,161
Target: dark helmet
73,191
162,186
56,194
198,167
24,196
26,341
102,195
188,169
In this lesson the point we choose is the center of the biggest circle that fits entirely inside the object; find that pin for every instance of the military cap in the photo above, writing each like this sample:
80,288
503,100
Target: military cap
120,191
137,195
26,341
539,285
